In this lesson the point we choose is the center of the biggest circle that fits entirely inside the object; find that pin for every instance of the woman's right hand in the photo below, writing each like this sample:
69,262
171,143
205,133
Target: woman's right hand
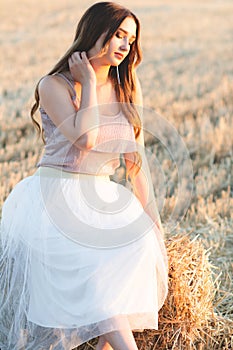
81,69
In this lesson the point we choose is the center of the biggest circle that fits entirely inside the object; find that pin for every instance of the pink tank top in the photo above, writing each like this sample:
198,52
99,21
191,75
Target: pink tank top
115,136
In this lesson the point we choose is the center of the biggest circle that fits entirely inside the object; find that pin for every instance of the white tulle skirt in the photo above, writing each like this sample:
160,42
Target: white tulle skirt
79,258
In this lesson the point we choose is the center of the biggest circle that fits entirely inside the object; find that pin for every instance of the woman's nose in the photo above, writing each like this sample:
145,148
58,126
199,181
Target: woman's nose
125,45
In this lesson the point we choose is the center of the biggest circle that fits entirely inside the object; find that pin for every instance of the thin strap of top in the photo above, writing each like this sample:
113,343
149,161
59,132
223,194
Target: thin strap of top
70,84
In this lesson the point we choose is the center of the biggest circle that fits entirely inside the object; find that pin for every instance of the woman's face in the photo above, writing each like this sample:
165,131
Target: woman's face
119,44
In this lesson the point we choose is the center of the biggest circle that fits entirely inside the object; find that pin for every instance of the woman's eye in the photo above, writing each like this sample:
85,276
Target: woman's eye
118,36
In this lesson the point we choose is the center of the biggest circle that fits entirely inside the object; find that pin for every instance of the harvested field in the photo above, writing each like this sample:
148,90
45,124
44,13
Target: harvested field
187,77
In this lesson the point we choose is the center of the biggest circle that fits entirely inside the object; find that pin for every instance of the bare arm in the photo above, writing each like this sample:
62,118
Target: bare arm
142,183
79,127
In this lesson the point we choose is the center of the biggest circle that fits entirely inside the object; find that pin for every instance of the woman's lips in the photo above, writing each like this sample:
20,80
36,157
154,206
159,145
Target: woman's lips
118,55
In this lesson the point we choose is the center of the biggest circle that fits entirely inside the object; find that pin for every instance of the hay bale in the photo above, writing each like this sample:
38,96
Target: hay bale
187,319
189,306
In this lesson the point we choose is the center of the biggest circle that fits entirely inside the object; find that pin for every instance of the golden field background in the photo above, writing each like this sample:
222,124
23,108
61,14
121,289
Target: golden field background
186,76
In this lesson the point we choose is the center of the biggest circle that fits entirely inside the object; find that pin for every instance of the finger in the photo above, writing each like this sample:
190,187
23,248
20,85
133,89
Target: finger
72,59
76,57
84,57
81,54
71,64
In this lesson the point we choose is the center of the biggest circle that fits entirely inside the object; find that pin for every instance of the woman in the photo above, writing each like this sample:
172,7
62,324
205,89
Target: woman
83,256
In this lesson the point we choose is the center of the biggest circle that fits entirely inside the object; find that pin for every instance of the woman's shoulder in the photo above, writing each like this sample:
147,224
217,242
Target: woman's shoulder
50,81
48,84
54,84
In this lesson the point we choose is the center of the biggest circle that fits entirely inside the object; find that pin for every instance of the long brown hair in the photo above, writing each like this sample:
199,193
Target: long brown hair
106,17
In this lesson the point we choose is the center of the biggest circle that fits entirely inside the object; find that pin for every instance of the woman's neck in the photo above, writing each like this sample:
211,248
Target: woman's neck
102,77
101,73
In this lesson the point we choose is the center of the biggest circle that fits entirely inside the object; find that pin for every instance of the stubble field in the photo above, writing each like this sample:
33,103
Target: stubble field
186,76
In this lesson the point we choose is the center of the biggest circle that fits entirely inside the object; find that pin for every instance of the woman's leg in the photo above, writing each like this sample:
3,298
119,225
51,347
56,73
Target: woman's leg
103,344
121,340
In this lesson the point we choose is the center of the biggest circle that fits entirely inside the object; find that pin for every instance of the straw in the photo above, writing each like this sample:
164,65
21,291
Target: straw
187,319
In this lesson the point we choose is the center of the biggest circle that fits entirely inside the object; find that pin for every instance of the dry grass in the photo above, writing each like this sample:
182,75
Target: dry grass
187,76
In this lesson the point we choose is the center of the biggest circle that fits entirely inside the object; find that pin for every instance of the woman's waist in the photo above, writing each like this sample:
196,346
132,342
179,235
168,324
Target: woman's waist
95,165
47,171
